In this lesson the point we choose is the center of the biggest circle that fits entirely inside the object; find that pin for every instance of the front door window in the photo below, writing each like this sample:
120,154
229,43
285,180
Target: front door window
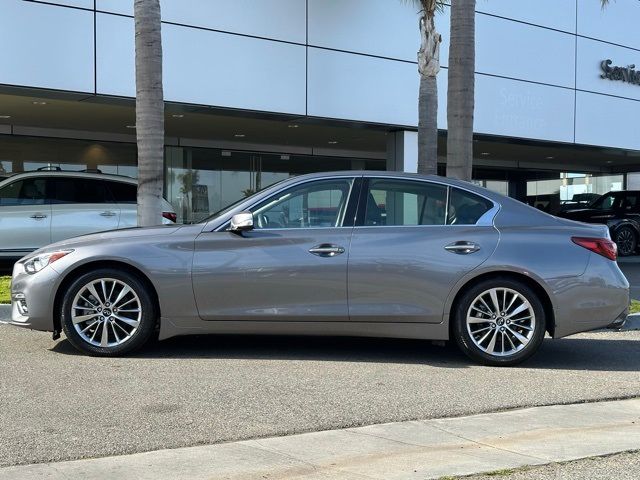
319,204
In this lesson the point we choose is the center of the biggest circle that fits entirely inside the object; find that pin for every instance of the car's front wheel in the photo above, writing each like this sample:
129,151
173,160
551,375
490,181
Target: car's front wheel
108,312
499,322
626,240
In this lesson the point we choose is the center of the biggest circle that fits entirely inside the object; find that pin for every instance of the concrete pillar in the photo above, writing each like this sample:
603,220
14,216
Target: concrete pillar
402,151
633,181
358,164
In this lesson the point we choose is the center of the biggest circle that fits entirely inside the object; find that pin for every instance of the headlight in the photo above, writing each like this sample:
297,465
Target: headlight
37,263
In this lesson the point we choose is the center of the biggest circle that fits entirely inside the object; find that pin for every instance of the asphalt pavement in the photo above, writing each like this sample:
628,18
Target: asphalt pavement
57,405
423,449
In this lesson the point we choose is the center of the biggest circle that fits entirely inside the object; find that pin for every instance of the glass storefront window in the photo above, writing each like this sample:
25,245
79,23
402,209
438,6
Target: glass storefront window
23,154
570,190
199,181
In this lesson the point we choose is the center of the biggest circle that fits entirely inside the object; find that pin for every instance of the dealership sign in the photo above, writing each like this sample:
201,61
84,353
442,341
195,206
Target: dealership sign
625,74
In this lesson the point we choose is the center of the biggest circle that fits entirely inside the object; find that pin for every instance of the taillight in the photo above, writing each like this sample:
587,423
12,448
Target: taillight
601,246
170,216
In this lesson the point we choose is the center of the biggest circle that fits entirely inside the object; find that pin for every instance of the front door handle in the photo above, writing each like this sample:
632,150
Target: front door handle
108,214
462,247
38,216
326,250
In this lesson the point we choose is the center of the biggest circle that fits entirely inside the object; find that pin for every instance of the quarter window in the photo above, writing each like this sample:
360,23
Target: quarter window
310,205
124,192
399,202
466,208
30,191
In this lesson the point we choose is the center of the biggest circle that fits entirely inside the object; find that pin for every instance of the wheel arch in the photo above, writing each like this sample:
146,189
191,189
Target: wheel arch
626,222
94,265
532,283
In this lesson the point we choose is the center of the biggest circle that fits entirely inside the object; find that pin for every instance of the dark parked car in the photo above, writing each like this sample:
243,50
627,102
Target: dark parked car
620,211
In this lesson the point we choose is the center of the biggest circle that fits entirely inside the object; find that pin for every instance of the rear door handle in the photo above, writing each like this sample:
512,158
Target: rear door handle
326,250
462,247
39,216
108,214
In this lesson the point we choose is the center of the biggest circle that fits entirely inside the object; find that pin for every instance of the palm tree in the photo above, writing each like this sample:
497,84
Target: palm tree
149,111
461,90
428,67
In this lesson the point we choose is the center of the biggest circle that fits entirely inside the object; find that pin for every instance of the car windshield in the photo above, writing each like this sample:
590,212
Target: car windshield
605,202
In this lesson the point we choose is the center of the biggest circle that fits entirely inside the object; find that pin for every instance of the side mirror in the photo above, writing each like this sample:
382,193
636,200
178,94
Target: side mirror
241,222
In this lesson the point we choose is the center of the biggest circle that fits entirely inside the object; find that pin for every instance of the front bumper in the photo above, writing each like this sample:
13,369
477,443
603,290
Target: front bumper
32,298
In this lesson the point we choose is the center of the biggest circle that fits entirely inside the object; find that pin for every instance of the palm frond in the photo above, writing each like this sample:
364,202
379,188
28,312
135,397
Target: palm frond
423,4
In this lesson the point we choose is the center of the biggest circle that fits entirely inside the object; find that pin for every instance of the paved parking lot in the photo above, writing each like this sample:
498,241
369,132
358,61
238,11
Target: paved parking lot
56,404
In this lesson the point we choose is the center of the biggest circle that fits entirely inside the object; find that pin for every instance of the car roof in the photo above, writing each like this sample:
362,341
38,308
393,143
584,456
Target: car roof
72,174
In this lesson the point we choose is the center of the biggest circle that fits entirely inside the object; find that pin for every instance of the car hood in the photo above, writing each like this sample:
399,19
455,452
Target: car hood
111,236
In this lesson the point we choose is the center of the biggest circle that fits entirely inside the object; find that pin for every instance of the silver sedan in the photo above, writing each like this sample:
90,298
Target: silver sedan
376,254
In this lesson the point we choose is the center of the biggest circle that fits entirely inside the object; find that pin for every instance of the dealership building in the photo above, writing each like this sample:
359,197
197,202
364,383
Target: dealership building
258,90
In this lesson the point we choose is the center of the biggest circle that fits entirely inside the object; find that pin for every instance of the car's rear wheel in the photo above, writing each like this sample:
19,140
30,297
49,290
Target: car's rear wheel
626,240
108,312
499,322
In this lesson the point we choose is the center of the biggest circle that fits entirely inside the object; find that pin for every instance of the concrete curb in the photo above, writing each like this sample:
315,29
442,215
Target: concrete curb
395,451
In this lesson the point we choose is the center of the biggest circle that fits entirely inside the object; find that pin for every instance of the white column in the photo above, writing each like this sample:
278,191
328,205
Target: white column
402,151
633,181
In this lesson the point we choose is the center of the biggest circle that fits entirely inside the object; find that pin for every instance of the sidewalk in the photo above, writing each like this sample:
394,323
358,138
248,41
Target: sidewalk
415,449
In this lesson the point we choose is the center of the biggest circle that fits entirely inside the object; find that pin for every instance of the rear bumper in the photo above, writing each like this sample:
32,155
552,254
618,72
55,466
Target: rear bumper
619,322
597,299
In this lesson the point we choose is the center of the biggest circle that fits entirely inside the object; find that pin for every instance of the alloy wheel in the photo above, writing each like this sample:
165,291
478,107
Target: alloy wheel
501,322
625,241
106,312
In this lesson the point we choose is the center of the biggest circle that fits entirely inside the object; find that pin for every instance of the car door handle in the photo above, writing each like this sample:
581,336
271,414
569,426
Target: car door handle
39,216
462,247
326,250
108,214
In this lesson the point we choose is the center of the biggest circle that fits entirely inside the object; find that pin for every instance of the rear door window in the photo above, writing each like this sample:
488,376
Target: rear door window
392,202
29,191
78,190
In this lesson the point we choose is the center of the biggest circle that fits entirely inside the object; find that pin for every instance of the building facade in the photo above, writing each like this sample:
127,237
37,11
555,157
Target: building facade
258,90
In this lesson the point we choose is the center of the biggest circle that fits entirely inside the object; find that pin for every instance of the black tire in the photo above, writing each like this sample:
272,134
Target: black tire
146,317
626,240
502,331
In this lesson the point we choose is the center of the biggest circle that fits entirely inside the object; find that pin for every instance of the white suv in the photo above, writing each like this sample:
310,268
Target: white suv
38,208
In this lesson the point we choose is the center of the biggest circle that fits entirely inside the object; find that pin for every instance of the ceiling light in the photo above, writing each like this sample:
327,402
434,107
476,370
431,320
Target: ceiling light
131,126
549,158
5,116
332,142
39,102
485,154
177,115
293,126
239,135
609,161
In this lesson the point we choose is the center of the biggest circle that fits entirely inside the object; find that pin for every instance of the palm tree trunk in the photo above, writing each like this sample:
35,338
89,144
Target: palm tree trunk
149,111
428,66
428,126
461,92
